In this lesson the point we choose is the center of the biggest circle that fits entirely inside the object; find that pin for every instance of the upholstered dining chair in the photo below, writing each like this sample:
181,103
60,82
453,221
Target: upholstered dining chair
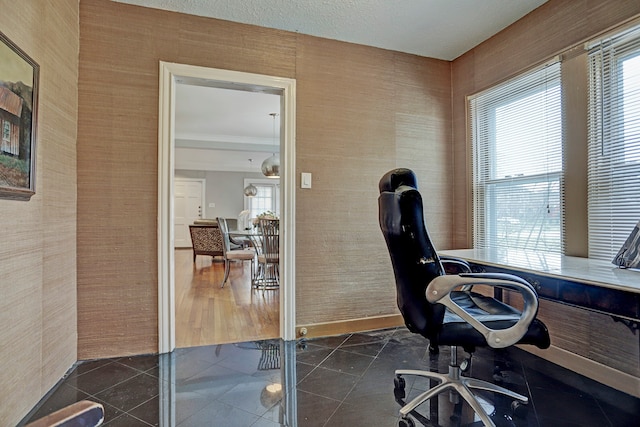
206,239
230,254
269,254
447,309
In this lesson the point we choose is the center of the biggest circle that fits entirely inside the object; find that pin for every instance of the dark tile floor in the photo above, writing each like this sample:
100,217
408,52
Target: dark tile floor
338,381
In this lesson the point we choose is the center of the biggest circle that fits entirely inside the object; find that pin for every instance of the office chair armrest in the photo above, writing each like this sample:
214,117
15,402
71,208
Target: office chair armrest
83,413
440,288
459,264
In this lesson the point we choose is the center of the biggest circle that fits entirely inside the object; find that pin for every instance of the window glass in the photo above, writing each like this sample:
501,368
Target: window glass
517,154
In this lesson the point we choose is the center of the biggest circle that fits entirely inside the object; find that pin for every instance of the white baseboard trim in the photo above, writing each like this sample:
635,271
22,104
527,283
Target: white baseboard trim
314,330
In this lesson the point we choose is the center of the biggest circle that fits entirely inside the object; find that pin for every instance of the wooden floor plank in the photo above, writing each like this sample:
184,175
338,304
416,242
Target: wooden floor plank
207,314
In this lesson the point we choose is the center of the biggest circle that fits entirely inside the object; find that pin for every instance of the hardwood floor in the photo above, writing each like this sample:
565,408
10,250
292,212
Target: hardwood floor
207,314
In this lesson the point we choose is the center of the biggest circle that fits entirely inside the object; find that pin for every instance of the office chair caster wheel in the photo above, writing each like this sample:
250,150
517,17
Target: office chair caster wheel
519,409
398,387
406,422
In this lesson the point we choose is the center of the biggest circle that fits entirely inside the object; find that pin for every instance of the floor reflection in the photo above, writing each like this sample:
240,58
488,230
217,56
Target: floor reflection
336,381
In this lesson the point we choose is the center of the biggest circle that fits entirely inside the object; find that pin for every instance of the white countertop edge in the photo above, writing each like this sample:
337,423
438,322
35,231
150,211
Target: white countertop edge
584,270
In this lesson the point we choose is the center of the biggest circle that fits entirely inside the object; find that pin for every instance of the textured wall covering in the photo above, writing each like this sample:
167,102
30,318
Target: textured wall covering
38,238
360,112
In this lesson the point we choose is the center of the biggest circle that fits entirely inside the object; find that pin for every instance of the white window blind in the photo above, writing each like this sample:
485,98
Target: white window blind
516,131
614,141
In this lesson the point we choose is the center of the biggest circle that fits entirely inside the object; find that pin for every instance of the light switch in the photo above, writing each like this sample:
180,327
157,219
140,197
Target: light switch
212,205
305,180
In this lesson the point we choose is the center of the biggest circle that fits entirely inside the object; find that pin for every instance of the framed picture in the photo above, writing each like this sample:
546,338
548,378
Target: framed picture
18,107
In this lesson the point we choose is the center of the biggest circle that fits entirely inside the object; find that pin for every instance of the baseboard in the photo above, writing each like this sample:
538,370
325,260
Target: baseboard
589,368
340,327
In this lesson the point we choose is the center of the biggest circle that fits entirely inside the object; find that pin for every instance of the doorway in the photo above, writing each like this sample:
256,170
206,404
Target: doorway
170,75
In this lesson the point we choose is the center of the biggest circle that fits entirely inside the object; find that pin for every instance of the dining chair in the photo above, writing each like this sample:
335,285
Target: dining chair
230,254
269,254
206,239
237,241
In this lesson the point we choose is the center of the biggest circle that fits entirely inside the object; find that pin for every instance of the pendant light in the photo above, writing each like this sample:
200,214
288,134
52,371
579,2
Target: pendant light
271,165
250,190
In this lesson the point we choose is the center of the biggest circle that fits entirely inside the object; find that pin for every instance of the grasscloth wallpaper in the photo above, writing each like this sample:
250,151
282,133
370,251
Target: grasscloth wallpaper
360,111
38,334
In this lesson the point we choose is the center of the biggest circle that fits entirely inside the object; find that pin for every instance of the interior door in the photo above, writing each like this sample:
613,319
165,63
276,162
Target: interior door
189,199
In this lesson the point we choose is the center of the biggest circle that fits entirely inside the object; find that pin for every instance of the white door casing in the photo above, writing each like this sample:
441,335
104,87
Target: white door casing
170,73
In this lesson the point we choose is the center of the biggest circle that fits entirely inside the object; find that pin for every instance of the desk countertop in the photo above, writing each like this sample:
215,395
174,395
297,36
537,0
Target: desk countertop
585,270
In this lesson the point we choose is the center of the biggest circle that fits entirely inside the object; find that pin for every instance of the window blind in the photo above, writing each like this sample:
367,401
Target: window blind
516,133
614,141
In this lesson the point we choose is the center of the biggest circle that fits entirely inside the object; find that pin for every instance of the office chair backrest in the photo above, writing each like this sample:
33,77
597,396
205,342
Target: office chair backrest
413,256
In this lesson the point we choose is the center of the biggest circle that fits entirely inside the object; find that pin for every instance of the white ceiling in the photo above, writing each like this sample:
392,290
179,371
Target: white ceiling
442,29
220,129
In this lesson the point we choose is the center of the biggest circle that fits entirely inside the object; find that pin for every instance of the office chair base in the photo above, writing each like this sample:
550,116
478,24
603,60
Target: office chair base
453,381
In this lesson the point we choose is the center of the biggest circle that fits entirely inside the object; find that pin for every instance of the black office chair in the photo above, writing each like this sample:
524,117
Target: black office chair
443,307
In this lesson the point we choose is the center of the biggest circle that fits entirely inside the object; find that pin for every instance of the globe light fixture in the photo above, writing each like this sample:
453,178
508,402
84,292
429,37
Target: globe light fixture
250,190
271,165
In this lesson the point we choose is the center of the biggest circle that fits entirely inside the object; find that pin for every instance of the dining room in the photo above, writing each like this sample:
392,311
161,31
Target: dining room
226,142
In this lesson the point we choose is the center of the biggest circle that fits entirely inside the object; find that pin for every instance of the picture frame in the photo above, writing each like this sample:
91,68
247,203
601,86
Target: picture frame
19,75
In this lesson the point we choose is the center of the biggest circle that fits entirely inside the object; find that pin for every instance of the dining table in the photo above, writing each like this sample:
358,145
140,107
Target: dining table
262,276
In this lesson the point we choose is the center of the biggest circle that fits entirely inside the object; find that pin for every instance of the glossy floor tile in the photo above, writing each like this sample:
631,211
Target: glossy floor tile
337,381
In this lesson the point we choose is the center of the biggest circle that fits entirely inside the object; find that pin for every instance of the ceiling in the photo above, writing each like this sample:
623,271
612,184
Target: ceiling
441,29
220,129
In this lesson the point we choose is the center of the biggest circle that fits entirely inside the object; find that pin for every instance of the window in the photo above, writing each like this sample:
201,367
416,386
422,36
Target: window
516,131
614,141
267,198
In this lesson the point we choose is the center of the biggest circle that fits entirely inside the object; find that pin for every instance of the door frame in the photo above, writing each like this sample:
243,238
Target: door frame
170,75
